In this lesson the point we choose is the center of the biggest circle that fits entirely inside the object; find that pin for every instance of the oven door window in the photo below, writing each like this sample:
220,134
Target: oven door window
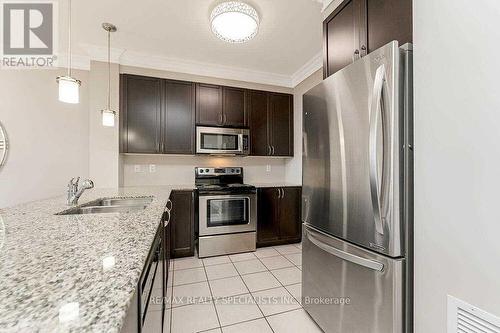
219,141
227,212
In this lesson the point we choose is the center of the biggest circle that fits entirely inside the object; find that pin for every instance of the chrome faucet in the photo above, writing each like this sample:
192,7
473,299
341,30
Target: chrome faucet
74,193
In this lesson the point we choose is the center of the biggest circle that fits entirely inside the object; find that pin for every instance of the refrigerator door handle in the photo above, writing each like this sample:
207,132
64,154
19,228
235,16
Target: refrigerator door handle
376,114
371,264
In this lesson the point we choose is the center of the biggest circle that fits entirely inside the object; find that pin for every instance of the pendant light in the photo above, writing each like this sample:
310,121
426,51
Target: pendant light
69,87
108,115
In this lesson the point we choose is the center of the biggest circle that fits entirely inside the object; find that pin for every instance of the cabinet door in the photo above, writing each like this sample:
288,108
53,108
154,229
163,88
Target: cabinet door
268,228
141,106
234,107
290,215
280,110
388,20
178,136
258,114
344,33
182,220
208,105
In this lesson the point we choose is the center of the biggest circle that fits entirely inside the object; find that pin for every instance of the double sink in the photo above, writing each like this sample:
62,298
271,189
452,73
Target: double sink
110,205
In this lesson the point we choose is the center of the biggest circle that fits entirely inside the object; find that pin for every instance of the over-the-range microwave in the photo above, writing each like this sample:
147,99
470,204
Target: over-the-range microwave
222,141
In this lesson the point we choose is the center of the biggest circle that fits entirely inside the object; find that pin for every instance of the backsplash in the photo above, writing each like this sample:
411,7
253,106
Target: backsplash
179,170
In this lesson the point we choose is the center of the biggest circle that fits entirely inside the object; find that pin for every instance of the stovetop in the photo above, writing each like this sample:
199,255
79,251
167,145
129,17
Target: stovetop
221,181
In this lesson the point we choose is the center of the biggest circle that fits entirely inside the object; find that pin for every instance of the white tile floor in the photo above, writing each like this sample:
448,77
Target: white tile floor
249,292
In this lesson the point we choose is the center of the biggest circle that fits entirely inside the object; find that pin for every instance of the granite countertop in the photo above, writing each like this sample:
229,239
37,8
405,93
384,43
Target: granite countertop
87,264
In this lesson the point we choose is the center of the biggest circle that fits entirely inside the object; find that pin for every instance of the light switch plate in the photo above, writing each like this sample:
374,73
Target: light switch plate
152,168
137,168
268,168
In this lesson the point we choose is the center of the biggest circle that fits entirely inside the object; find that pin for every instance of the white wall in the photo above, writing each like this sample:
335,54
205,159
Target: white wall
104,152
48,139
294,165
457,157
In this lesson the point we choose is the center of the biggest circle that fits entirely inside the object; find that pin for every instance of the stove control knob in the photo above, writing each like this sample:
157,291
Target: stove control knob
206,170
201,170
233,171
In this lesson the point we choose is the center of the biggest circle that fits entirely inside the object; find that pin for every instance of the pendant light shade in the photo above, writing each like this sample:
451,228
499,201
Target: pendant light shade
108,115
69,87
108,118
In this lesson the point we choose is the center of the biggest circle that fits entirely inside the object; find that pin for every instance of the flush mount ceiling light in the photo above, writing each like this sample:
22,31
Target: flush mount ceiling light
234,21
69,87
108,115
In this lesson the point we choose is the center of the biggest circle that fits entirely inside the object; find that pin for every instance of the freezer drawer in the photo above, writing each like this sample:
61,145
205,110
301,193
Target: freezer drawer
347,289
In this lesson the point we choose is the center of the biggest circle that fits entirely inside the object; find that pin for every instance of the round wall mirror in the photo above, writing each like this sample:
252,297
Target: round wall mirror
4,145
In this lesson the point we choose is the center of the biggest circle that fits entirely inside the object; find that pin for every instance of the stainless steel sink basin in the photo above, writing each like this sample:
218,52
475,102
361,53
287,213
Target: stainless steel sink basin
110,205
123,201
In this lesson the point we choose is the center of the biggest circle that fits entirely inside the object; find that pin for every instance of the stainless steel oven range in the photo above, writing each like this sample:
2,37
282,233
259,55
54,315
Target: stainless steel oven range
227,212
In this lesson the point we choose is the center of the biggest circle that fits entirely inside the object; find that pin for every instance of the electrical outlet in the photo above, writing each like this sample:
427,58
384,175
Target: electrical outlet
152,168
137,168
268,168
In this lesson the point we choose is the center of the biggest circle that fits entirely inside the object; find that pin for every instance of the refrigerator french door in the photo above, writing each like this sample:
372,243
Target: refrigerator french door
357,194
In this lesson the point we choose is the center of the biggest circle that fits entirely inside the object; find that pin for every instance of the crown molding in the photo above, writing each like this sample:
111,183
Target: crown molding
100,53
137,59
327,3
77,61
307,69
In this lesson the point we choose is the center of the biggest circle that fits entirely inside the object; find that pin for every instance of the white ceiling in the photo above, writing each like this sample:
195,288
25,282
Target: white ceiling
289,34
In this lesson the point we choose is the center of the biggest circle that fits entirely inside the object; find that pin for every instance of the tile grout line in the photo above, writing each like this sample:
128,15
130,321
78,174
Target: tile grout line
251,295
211,294
299,303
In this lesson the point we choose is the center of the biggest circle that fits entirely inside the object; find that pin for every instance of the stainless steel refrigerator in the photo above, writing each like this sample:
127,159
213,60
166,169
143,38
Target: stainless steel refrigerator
357,196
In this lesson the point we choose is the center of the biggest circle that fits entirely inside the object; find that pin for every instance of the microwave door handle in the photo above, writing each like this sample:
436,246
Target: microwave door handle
240,143
375,115
371,264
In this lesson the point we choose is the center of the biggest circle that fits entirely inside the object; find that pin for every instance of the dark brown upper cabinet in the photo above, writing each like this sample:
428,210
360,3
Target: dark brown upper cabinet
220,106
271,123
357,27
257,105
343,36
234,107
140,100
281,125
388,20
157,115
209,105
178,136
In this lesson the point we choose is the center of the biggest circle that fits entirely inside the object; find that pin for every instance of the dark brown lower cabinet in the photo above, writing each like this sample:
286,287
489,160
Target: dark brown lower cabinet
182,223
279,215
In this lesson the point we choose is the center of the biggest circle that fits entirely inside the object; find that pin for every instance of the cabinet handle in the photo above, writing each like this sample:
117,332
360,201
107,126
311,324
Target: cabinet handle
171,204
272,150
224,119
268,150
279,193
363,50
167,220
356,55
282,193
220,119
